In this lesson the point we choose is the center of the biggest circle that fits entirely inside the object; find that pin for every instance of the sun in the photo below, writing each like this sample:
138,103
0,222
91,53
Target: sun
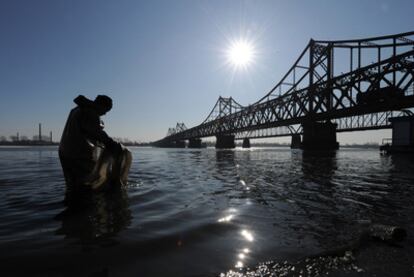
240,53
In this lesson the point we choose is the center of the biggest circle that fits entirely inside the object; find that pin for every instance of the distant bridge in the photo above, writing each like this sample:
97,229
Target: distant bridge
374,83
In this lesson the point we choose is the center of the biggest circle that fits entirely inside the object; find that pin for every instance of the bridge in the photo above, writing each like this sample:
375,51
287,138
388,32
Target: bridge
333,86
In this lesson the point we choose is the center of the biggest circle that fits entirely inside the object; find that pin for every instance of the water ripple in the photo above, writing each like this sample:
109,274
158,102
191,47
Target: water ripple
203,210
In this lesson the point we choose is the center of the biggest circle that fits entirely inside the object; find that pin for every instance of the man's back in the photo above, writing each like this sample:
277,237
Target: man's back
74,142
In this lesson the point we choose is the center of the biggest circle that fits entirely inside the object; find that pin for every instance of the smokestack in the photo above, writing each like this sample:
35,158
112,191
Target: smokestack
40,131
17,136
51,136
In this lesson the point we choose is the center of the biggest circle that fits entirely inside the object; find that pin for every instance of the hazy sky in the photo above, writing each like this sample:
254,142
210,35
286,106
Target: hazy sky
163,61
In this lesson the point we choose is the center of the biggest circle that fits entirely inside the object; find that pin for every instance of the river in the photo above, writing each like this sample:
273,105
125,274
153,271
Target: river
202,212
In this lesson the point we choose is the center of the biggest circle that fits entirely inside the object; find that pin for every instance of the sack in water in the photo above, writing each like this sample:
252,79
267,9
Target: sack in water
110,169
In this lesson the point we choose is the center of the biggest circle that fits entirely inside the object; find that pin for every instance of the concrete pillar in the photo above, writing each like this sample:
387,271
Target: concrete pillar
165,144
171,144
246,143
180,143
319,136
225,141
296,141
194,143
402,136
402,131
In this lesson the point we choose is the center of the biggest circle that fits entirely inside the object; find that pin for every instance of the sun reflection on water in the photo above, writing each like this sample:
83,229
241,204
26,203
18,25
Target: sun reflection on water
229,217
242,256
226,218
247,235
239,264
243,183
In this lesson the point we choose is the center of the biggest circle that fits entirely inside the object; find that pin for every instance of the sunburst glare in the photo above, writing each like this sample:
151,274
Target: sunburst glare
241,53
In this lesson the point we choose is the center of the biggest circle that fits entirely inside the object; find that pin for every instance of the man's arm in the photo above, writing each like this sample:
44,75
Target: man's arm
91,126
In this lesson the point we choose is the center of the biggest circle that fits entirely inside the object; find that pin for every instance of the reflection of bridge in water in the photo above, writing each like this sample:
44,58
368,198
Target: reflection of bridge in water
316,99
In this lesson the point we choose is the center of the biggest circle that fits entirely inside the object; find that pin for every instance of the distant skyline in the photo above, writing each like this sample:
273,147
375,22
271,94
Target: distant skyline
164,62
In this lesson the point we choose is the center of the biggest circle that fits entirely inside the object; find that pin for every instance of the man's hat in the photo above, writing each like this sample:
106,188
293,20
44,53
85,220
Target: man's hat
103,101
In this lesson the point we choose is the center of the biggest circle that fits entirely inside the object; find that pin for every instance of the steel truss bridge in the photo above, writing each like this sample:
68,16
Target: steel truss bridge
358,84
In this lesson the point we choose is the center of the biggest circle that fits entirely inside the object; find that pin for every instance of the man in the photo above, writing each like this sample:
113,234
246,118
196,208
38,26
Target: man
89,157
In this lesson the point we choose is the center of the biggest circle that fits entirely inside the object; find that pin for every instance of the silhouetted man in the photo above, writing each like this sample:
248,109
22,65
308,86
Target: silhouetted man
89,157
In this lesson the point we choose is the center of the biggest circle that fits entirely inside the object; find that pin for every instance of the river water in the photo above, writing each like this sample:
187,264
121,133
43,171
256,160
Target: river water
202,212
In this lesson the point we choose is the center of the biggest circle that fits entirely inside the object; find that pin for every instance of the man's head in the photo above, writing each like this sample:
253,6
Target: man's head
103,104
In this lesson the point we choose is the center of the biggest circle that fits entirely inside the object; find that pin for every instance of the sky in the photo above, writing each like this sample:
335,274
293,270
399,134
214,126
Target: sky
163,62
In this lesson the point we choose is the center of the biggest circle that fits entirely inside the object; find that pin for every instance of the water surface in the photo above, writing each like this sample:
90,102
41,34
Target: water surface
200,212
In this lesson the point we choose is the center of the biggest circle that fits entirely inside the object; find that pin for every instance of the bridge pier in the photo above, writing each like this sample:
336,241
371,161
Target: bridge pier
165,144
296,141
179,144
319,136
170,144
402,140
225,141
194,143
246,143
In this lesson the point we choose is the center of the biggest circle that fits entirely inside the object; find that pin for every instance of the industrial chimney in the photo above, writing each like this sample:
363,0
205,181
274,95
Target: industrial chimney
40,131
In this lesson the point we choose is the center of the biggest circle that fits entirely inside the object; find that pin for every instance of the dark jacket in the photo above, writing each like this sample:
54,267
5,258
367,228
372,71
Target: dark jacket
83,132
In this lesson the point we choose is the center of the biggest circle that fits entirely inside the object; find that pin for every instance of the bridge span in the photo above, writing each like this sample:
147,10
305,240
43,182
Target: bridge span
333,86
